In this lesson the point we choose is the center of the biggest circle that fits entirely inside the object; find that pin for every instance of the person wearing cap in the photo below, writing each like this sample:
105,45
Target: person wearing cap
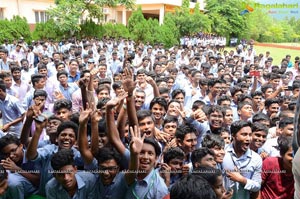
91,64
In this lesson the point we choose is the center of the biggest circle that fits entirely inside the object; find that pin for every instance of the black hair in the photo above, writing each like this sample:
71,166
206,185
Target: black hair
265,87
101,88
192,186
102,102
106,153
67,125
38,93
41,66
212,140
208,173
117,85
163,90
260,117
142,114
242,104
284,144
271,101
169,119
200,153
256,93
235,89
8,139
223,98
15,68
155,144
285,121
62,103
197,104
61,73
61,158
256,126
176,92
36,78
184,129
238,125
160,101
172,153
215,108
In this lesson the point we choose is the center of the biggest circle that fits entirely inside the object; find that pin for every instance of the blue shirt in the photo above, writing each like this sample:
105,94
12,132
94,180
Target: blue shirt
67,92
250,164
11,110
151,187
85,187
44,159
72,79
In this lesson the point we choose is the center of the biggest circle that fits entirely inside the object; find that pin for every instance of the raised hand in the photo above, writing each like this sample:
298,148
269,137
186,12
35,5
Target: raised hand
128,83
137,141
115,101
85,114
150,80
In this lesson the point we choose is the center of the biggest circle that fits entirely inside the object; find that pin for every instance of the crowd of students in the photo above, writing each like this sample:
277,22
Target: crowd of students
109,118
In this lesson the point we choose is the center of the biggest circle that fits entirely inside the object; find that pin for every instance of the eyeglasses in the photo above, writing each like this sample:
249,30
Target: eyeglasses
12,151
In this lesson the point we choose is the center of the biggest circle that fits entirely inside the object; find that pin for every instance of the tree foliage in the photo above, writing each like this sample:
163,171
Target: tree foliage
14,29
47,30
68,14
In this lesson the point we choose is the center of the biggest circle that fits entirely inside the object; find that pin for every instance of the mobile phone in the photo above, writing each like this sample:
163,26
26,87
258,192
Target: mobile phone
42,117
255,73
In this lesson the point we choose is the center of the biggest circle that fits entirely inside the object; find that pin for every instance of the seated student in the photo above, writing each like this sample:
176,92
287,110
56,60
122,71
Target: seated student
66,138
215,179
203,157
21,184
11,111
67,181
172,166
277,176
259,137
63,109
216,144
240,157
192,186
3,183
286,127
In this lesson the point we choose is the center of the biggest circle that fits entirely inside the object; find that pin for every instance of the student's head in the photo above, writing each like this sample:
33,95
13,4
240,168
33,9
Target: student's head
62,77
118,87
103,91
224,101
67,134
139,98
245,110
16,72
173,107
261,118
38,81
11,147
186,136
215,86
267,90
286,126
42,69
225,134
39,96
235,92
63,109
7,79
179,95
256,98
170,125
146,123
109,164
272,106
203,157
158,107
149,155
192,186
215,117
164,92
3,180
51,128
275,80
174,157
216,144
62,163
228,116
286,151
259,135
241,135
214,178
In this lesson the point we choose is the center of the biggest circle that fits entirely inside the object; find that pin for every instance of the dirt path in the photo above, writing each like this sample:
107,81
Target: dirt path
278,46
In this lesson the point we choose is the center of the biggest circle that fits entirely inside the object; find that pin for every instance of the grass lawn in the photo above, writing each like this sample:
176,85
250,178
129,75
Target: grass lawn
276,53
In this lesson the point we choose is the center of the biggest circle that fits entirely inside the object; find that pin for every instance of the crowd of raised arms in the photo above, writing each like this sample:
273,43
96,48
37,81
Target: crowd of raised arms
110,118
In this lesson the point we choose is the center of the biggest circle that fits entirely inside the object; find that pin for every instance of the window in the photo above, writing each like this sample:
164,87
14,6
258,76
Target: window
1,13
41,16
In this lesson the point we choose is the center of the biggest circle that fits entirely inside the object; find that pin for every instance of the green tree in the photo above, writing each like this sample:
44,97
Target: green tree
226,18
168,32
67,14
47,30
116,30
